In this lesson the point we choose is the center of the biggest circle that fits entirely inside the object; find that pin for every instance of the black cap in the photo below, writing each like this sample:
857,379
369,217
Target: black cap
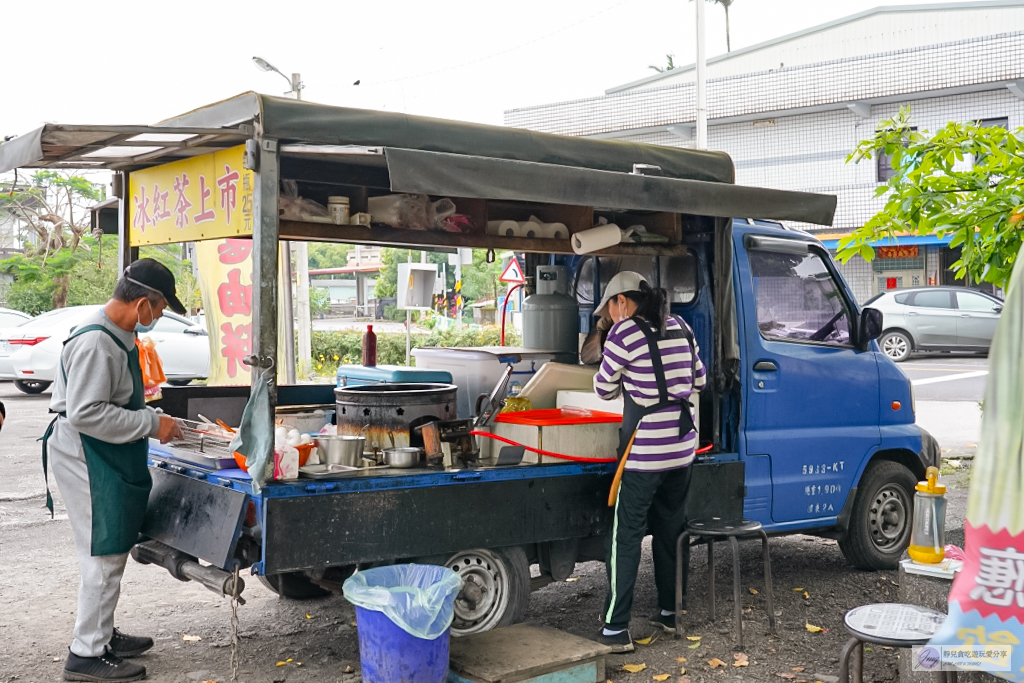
155,276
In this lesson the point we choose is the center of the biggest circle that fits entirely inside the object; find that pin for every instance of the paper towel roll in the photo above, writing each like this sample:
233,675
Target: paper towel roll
595,239
503,228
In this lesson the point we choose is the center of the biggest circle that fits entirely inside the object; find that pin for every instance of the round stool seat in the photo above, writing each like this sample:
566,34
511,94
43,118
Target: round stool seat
893,624
716,526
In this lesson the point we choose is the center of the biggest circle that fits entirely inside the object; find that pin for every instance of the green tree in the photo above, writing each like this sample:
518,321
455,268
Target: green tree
54,208
328,255
966,180
670,59
89,272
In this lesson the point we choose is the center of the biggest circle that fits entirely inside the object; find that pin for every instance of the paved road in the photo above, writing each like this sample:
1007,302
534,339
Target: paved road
947,376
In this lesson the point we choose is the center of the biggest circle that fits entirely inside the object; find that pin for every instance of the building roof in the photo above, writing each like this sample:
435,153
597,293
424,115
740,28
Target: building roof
889,9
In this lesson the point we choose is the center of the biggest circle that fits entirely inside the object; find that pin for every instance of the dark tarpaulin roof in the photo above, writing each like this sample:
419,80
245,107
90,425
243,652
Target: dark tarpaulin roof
294,121
461,175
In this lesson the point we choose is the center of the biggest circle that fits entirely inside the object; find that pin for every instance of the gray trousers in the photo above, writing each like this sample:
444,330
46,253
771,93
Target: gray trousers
100,585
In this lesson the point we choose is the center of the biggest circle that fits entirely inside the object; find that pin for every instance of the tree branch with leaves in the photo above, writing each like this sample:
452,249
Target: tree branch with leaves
965,181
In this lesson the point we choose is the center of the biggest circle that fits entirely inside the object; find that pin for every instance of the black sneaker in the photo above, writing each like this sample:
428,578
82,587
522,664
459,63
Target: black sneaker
124,645
665,623
619,643
106,667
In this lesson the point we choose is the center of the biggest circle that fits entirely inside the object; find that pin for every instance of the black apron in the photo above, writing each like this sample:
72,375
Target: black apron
119,480
633,413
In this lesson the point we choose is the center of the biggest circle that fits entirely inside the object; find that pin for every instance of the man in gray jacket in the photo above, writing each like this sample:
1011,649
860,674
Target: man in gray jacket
98,444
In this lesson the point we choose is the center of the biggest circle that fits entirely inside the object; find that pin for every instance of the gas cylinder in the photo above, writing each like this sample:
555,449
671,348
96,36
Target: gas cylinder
551,318
928,537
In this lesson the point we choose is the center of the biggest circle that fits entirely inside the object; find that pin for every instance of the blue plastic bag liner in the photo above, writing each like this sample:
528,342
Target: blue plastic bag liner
419,598
255,436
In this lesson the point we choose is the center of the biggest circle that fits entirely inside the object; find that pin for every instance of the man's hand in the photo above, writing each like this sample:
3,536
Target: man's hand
169,429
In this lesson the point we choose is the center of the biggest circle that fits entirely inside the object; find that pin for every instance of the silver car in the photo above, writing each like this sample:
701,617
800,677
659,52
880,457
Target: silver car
936,319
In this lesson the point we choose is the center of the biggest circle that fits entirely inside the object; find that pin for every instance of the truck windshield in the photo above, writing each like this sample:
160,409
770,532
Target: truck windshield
797,299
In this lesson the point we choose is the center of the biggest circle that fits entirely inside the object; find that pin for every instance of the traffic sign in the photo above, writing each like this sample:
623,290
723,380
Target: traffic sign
513,272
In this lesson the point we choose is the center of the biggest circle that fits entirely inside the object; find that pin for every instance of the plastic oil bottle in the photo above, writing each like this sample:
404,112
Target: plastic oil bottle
928,537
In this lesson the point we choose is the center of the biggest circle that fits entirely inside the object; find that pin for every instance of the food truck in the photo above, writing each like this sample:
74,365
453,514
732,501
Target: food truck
804,425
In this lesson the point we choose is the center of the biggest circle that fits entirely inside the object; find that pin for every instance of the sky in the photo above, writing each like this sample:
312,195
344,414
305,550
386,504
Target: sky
138,63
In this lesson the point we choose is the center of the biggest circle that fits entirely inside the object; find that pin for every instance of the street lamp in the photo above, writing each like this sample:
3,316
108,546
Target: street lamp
295,81
302,274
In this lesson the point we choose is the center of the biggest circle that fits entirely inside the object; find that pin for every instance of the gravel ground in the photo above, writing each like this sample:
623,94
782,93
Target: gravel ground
40,575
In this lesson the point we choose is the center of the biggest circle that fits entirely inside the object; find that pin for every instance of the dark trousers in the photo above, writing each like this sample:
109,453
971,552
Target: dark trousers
654,501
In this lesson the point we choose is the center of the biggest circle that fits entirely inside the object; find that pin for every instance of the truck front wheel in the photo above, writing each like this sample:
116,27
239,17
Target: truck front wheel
495,588
880,525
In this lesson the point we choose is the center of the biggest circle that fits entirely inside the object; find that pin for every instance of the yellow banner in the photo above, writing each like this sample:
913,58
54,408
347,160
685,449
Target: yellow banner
206,197
225,280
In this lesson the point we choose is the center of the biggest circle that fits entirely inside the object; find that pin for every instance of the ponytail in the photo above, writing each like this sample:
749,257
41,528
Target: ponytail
651,305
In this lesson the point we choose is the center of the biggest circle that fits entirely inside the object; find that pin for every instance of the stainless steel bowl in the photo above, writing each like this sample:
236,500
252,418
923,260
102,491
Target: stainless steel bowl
341,449
402,458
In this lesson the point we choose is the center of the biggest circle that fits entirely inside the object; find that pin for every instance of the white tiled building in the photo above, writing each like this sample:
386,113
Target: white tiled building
790,110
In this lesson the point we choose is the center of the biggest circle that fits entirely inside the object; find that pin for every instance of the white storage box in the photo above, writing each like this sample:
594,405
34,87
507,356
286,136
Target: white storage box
475,371
591,401
580,436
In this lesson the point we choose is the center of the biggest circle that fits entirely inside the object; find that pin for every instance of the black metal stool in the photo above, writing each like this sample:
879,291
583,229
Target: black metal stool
890,624
710,529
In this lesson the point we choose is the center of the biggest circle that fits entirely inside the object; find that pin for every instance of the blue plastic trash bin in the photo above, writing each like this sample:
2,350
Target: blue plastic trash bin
403,615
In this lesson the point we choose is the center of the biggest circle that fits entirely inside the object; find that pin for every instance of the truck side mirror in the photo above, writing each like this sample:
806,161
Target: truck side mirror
870,326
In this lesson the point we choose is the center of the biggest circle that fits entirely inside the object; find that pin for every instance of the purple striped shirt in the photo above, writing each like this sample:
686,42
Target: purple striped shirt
627,365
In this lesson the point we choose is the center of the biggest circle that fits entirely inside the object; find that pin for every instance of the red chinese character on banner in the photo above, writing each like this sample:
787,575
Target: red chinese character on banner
233,296
234,251
160,210
204,214
142,217
237,342
181,204
228,191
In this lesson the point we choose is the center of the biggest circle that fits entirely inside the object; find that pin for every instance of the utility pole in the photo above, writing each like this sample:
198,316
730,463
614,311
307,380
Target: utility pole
702,95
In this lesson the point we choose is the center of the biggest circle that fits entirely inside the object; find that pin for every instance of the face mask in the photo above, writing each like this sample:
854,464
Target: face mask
142,329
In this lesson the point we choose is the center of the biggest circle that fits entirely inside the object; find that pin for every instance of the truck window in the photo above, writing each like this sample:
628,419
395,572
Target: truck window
677,274
797,299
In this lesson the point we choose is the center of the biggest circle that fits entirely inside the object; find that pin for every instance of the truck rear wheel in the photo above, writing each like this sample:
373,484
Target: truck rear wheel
495,588
880,525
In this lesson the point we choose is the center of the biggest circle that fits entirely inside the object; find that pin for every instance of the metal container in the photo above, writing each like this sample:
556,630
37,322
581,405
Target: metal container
551,318
393,410
402,458
344,449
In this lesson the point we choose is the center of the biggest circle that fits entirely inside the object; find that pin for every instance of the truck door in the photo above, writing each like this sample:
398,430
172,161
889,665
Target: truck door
811,399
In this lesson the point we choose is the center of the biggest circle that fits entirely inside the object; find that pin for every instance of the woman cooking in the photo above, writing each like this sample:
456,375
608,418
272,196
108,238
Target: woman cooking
651,359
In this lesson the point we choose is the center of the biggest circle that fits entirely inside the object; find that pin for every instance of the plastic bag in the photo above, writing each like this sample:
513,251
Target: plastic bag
292,207
418,598
152,368
255,436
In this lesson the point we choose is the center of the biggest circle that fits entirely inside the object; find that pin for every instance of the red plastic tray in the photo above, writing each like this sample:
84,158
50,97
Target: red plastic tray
555,416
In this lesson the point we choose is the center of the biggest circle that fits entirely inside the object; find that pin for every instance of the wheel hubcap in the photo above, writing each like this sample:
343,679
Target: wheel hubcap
888,517
484,597
895,347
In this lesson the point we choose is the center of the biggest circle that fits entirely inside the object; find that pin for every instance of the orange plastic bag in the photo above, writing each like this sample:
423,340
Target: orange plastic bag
152,369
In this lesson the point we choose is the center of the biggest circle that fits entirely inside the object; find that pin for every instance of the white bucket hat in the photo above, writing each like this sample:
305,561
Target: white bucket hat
626,281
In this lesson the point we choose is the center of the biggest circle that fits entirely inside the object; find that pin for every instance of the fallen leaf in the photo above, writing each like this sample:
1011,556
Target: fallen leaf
716,662
753,591
191,639
309,616
646,641
741,659
634,668
572,579
798,669
797,590
289,660
681,660
682,669
280,663
807,595
886,648
57,659
693,637
298,663
812,628
785,675
693,646
210,681
661,677
348,670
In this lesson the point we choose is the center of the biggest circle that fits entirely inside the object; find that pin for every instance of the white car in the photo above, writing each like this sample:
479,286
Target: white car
9,320
183,347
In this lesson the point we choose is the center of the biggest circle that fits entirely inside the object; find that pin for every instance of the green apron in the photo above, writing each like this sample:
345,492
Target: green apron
119,481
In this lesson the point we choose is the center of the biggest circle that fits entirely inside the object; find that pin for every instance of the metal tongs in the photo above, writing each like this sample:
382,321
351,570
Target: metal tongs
488,406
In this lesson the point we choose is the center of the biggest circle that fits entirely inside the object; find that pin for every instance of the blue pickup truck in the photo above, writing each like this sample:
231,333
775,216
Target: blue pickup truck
808,427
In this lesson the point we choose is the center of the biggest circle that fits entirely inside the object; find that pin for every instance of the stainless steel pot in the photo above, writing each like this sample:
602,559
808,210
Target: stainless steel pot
342,449
402,458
